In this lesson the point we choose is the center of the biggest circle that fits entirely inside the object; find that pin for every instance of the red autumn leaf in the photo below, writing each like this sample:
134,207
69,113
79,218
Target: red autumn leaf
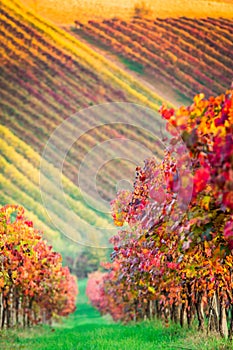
200,180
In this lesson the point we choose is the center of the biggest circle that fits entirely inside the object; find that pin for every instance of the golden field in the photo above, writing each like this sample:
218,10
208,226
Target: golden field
66,12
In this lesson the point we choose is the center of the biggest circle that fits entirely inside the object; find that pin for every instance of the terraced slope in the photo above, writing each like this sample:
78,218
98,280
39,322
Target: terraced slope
189,55
46,75
19,183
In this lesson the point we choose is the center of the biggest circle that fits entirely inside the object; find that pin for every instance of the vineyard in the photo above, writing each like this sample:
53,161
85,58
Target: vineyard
47,75
87,329
85,109
34,287
189,55
174,259
19,183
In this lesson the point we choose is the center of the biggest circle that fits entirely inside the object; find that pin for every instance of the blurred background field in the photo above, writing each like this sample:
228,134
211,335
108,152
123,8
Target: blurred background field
66,12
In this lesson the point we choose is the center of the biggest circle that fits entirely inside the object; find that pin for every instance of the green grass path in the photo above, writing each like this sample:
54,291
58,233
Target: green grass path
86,329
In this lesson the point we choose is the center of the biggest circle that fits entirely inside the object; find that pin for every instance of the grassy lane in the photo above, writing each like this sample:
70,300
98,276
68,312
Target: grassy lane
87,330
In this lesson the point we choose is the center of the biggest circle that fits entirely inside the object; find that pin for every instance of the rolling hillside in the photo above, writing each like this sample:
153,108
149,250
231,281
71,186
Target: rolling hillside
80,119
19,181
47,75
187,55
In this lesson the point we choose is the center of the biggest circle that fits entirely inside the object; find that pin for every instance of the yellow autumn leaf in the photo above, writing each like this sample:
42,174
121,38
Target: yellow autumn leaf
14,274
118,223
205,203
151,289
198,98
